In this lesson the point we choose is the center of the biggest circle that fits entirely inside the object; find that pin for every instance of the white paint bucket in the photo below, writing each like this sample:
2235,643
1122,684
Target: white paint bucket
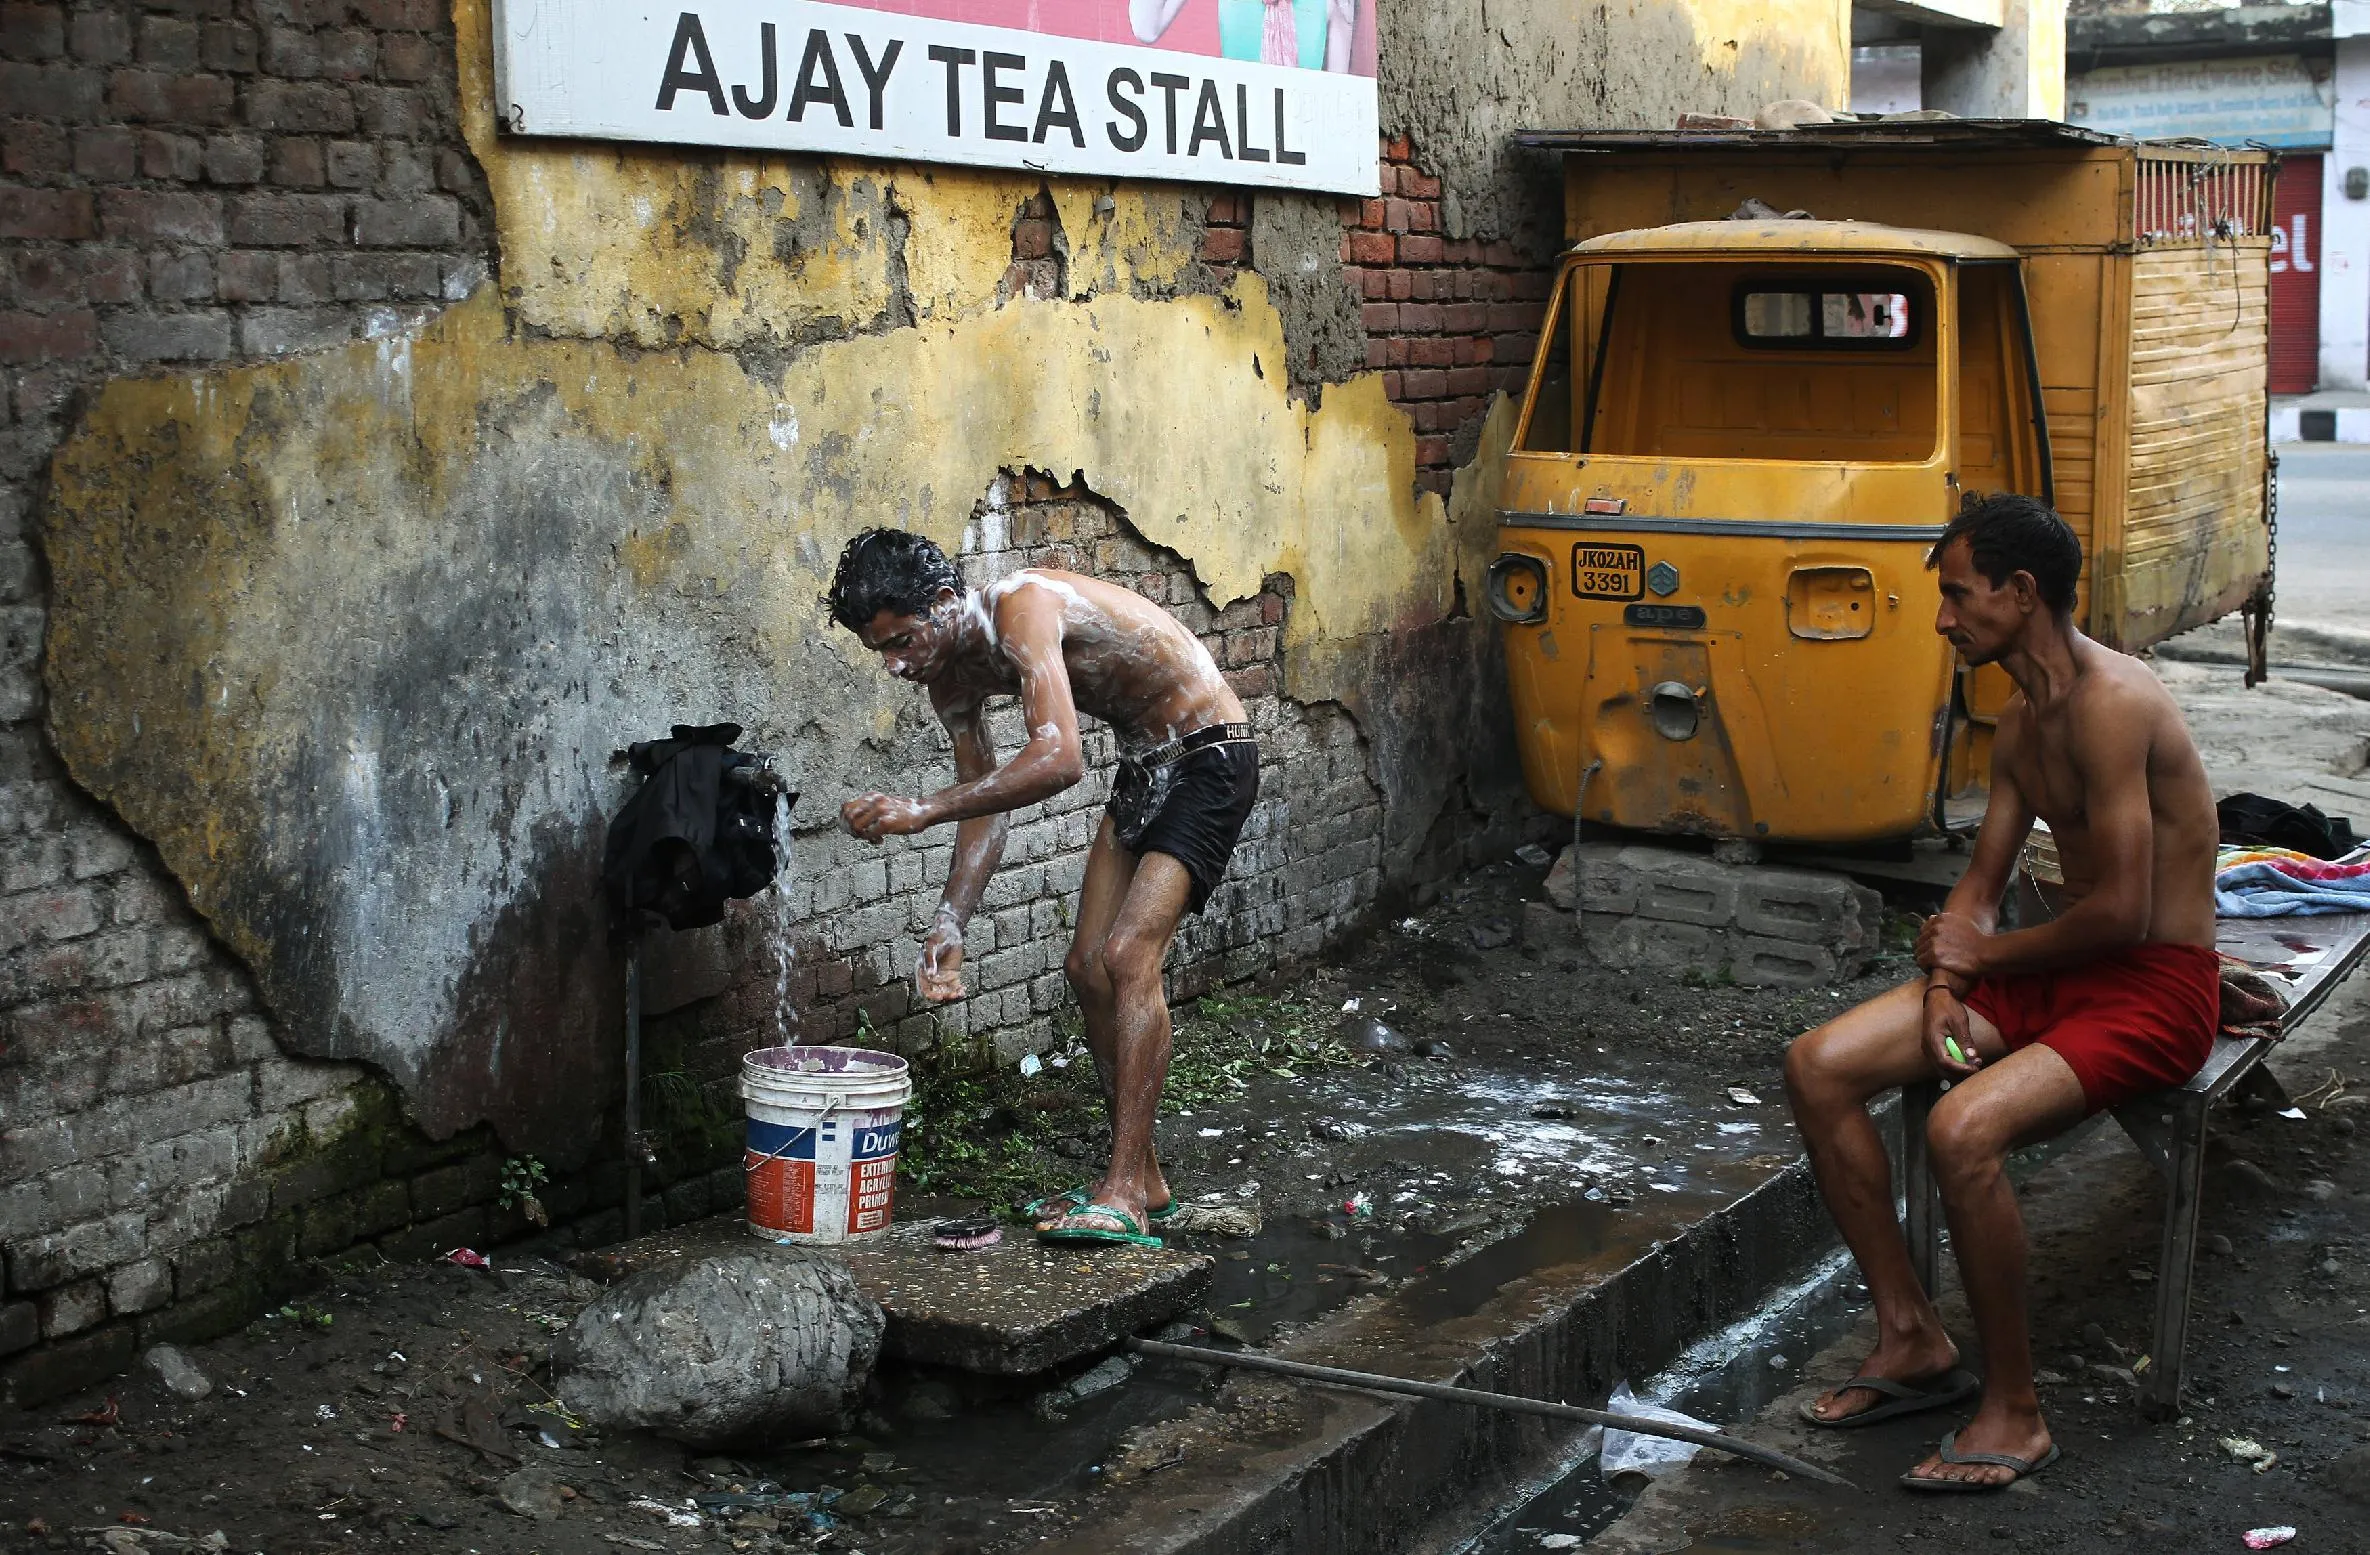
821,1156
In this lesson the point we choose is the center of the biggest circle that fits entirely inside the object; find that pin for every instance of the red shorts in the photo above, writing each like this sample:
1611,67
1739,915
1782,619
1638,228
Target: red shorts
2129,1024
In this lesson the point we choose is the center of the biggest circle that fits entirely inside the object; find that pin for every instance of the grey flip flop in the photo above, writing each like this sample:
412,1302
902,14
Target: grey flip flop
1903,1398
2025,1468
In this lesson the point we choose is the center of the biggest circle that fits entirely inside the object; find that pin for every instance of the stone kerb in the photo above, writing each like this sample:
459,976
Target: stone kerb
1660,909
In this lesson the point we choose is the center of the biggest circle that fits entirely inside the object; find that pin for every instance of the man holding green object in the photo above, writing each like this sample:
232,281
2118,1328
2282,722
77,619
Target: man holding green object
2117,997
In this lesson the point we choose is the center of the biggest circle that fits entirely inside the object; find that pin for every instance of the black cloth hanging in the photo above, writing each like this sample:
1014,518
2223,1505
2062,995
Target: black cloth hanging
2253,819
696,833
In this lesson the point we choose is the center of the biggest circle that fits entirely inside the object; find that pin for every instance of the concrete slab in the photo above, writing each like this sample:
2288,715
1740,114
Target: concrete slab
1010,1310
1020,1306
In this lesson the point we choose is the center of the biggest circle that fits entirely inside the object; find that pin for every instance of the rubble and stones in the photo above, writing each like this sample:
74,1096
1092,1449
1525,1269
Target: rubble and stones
1662,909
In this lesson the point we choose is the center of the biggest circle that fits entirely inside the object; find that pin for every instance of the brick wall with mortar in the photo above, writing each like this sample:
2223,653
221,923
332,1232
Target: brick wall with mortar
187,182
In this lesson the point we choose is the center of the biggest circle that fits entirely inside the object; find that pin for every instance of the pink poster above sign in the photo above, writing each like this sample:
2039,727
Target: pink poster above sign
1336,35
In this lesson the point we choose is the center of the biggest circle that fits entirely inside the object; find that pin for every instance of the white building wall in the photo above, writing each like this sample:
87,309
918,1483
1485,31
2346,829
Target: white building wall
2345,223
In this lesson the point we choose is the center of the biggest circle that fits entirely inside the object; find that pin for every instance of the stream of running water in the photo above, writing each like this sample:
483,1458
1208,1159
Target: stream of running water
785,954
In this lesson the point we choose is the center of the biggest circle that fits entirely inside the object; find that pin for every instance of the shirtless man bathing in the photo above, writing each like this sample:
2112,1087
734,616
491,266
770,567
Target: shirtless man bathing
2117,997
1188,774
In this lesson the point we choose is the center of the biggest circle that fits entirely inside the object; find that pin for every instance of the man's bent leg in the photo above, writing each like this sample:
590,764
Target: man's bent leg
1831,1074
2030,1095
1110,871
1132,955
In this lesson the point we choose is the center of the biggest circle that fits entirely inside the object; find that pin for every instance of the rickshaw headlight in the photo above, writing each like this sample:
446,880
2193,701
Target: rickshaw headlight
1673,710
1518,589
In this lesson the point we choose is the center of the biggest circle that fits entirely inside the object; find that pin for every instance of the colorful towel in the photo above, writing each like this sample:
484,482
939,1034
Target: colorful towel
2279,883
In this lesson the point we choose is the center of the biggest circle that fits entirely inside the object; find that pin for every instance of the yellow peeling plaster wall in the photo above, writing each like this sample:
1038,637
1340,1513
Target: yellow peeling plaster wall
351,636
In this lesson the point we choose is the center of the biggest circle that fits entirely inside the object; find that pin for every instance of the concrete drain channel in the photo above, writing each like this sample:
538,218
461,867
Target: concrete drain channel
1726,1378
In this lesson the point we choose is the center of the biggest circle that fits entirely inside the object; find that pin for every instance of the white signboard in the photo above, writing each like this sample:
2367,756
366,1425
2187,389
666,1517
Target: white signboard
2273,102
1244,92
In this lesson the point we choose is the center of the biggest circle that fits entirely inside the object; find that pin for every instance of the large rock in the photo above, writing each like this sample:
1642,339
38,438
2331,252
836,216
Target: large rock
767,1342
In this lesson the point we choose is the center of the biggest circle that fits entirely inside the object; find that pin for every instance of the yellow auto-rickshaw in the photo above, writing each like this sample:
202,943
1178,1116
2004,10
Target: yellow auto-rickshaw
1742,436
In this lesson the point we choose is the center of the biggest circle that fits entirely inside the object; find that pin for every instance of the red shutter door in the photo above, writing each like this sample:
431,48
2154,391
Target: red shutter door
2296,277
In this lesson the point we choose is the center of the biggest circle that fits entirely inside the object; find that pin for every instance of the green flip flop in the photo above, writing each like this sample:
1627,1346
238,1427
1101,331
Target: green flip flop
1118,1227
1062,1203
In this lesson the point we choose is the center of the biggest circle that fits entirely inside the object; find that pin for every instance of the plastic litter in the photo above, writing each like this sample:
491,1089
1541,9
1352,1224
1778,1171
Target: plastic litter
675,1518
2269,1538
1743,1097
719,1501
2249,1451
1532,854
1031,1066
468,1258
1626,1452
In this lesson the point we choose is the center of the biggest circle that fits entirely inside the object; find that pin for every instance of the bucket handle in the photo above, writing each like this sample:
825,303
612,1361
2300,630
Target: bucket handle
830,1105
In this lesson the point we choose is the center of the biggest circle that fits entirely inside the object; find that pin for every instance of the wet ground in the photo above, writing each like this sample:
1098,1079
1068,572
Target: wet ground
1564,1110
2277,1429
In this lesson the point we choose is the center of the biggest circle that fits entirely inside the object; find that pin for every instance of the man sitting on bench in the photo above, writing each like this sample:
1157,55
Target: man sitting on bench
2037,1028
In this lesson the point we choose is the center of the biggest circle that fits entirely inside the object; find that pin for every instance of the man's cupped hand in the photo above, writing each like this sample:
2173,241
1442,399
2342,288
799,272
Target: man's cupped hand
874,816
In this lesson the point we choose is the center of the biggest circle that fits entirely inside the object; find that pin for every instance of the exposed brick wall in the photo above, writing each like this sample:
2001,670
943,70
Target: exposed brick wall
1449,321
205,179
197,181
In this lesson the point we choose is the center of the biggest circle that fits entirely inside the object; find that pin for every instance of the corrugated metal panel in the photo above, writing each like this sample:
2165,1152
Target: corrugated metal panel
2296,278
2194,541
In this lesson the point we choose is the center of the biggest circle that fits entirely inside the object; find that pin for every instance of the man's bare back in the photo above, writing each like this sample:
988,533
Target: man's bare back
1129,662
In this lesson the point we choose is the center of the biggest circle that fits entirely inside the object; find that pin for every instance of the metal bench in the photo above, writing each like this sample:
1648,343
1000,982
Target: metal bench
2309,957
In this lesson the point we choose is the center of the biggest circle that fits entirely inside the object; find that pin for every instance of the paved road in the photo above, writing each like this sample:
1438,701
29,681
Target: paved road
2324,535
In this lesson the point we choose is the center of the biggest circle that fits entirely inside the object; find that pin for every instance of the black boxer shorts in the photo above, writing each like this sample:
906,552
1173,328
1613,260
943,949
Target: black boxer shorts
1189,800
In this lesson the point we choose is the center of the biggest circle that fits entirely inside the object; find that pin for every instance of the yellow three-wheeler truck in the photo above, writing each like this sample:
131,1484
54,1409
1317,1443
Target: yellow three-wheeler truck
1744,430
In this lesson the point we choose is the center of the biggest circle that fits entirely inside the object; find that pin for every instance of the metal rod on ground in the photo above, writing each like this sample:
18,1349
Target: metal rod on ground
1335,1376
633,1085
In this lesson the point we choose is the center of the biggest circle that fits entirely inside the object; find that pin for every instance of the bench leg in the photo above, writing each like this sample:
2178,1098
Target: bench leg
2160,1388
1922,1212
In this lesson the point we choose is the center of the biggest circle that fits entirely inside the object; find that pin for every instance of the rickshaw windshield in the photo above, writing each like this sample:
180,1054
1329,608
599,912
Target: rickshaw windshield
1721,359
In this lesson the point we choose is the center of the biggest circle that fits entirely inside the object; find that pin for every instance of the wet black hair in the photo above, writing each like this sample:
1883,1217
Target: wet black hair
888,569
2007,534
